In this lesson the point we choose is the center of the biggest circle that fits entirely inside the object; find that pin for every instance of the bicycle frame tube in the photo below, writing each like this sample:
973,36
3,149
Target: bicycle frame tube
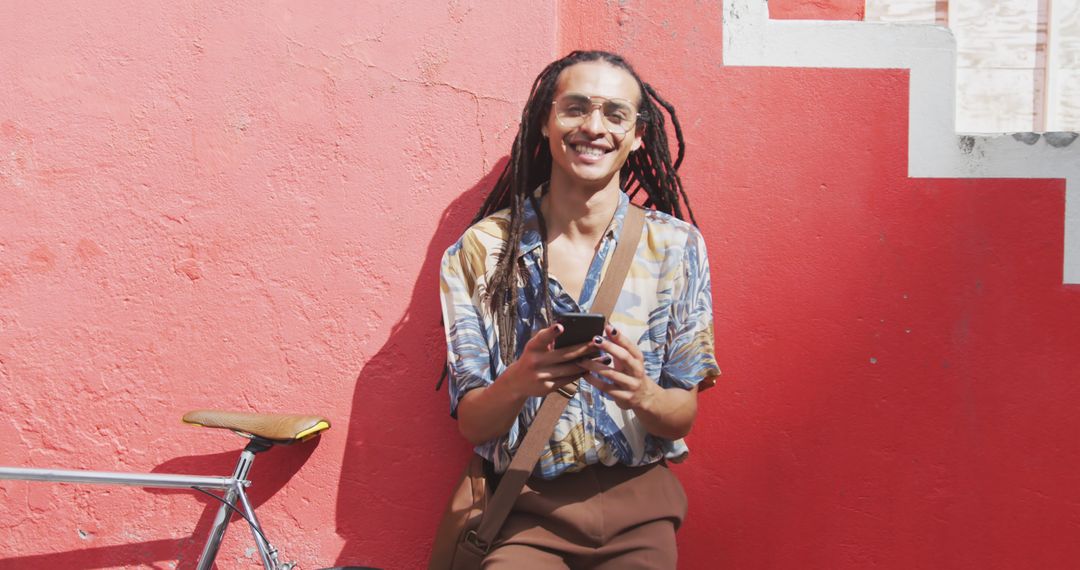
235,493
232,486
221,521
154,480
266,552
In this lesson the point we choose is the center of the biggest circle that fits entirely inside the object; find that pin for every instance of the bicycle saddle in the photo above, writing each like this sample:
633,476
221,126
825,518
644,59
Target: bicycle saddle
279,428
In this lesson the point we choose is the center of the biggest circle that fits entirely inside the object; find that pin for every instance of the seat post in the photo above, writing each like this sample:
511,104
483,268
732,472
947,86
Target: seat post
221,521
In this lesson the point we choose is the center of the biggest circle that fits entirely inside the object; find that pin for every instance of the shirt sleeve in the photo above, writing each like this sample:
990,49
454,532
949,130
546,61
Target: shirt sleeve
690,357
468,356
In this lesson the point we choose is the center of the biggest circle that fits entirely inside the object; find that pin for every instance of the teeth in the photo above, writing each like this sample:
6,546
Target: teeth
588,150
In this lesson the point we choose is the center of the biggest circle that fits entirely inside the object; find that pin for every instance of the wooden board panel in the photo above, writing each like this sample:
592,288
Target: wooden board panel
1018,60
996,33
995,100
1063,60
910,11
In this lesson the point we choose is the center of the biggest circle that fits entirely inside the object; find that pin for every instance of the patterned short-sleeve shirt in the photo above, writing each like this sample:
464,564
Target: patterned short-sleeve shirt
665,304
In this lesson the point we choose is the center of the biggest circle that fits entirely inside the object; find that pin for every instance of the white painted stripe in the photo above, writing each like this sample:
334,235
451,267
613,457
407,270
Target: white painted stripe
935,150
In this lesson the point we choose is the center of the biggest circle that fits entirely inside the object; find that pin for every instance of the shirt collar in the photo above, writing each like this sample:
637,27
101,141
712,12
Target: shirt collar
530,237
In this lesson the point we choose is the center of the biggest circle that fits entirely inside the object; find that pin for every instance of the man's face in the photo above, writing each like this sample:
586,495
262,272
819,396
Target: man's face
602,98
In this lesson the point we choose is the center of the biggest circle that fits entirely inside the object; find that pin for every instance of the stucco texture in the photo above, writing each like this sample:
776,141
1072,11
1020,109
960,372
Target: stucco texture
243,206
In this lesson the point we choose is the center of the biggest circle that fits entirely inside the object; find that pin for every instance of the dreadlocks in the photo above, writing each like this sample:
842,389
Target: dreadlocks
649,168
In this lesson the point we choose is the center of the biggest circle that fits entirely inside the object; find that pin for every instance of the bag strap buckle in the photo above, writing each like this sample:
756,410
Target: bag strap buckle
473,538
568,390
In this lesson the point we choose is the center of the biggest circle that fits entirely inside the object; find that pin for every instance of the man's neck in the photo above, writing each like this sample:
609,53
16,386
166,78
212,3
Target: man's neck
578,213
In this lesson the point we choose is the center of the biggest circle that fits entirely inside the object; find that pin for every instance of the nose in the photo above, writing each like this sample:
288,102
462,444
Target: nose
594,121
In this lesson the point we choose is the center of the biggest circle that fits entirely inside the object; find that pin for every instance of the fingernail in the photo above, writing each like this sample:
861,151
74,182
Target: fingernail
598,339
606,360
613,332
559,328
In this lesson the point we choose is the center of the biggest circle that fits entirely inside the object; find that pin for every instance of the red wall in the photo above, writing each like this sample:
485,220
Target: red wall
817,9
244,207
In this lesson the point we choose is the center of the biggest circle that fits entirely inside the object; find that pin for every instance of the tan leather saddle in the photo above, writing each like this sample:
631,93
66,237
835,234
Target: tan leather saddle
278,428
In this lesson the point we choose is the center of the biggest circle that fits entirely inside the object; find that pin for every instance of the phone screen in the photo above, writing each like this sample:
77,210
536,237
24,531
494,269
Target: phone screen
578,328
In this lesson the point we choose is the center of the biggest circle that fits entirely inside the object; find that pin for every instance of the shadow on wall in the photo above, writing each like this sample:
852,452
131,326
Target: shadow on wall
402,449
271,471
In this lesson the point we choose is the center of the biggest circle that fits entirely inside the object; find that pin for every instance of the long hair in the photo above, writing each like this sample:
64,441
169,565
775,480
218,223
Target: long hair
649,169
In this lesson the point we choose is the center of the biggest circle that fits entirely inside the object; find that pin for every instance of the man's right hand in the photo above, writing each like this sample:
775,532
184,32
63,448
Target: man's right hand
489,412
542,368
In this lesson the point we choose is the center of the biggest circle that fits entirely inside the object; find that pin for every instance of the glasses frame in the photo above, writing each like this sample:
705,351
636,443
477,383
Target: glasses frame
593,106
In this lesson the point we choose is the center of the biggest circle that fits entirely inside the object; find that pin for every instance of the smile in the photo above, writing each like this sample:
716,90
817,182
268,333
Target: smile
589,151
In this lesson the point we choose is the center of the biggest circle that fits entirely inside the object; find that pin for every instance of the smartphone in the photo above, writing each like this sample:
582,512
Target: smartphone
578,328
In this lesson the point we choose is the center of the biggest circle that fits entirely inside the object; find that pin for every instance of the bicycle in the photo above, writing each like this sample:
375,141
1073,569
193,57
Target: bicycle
263,432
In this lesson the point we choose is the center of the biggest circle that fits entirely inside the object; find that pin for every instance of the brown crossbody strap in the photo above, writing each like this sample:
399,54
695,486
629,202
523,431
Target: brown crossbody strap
543,424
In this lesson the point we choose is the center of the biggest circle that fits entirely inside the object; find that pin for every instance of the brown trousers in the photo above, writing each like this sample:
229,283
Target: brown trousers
601,517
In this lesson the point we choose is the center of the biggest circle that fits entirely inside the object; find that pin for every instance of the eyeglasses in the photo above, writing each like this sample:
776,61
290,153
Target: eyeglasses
619,115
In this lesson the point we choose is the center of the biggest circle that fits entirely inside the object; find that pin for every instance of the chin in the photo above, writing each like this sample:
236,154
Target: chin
590,174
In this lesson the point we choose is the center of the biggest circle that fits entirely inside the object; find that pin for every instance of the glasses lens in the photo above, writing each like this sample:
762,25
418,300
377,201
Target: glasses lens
573,110
619,116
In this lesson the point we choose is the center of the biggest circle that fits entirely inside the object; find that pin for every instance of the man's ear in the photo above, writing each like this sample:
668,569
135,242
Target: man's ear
639,136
